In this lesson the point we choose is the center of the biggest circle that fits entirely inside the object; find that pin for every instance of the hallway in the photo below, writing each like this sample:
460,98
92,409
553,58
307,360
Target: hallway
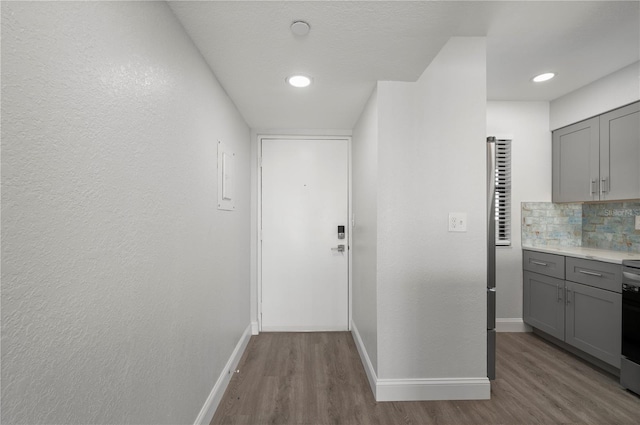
132,205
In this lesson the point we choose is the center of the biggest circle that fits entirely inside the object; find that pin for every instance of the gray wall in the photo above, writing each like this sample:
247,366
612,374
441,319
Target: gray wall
365,232
124,289
432,161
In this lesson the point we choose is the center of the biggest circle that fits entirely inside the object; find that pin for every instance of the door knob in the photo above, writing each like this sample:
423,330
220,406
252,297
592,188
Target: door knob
339,248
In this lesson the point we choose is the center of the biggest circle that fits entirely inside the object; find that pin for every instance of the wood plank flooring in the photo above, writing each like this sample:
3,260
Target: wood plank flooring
317,378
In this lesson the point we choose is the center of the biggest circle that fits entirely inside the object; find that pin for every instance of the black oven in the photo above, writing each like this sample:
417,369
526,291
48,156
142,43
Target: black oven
630,366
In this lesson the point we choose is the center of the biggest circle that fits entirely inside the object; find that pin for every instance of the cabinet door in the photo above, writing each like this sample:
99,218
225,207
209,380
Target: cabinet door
544,303
594,321
620,153
576,162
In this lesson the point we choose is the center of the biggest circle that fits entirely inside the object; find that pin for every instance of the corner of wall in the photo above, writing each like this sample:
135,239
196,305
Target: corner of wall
364,228
213,400
364,357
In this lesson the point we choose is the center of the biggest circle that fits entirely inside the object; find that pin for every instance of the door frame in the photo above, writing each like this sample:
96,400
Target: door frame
261,138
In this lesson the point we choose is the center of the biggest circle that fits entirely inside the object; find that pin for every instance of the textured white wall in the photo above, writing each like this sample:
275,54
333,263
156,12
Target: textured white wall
124,289
432,161
364,238
615,90
528,124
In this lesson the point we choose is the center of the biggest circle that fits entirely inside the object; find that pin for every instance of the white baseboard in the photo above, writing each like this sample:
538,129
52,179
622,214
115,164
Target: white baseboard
512,325
303,329
433,389
211,404
364,357
420,389
255,329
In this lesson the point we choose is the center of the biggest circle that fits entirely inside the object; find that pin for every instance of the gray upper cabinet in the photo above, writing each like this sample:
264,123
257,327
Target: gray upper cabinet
576,161
599,158
620,153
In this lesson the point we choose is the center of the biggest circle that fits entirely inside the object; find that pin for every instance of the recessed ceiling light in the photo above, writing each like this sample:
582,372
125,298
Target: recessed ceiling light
543,77
299,81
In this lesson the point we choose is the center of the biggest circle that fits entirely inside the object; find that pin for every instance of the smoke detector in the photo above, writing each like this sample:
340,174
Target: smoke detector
300,28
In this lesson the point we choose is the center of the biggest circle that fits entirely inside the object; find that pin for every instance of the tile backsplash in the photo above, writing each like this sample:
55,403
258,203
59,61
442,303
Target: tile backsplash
611,226
544,223
604,226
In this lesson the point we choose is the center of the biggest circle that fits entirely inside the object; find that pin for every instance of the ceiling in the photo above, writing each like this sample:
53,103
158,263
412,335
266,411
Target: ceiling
352,44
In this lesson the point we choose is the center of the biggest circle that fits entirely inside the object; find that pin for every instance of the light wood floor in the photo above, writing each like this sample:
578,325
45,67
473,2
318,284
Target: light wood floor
317,378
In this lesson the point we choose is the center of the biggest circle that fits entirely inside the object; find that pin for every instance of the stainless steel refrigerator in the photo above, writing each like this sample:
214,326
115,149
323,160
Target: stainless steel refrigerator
491,257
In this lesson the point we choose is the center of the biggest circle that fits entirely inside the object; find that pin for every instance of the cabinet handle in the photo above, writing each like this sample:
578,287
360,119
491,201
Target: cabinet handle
559,292
566,296
593,187
540,263
590,273
604,185
631,276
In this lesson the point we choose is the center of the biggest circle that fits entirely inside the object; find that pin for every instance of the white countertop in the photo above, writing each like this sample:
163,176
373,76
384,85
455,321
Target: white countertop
587,253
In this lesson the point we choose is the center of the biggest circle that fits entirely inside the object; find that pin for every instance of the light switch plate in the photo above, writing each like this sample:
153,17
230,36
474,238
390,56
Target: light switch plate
638,222
457,222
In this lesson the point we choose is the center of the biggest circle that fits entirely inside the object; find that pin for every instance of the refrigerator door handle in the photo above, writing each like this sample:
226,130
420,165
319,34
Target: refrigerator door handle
491,258
491,206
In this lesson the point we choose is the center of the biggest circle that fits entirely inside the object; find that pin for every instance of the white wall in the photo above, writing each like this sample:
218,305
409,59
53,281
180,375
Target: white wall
528,124
364,234
432,161
124,289
617,89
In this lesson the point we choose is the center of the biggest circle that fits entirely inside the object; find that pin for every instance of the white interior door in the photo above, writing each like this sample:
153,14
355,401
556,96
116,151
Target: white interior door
304,200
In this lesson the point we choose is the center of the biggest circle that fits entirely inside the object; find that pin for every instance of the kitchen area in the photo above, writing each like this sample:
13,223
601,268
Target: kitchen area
581,251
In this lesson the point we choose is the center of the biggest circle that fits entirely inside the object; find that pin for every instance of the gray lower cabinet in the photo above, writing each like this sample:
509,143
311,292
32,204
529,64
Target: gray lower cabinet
586,314
544,303
547,264
594,273
593,321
